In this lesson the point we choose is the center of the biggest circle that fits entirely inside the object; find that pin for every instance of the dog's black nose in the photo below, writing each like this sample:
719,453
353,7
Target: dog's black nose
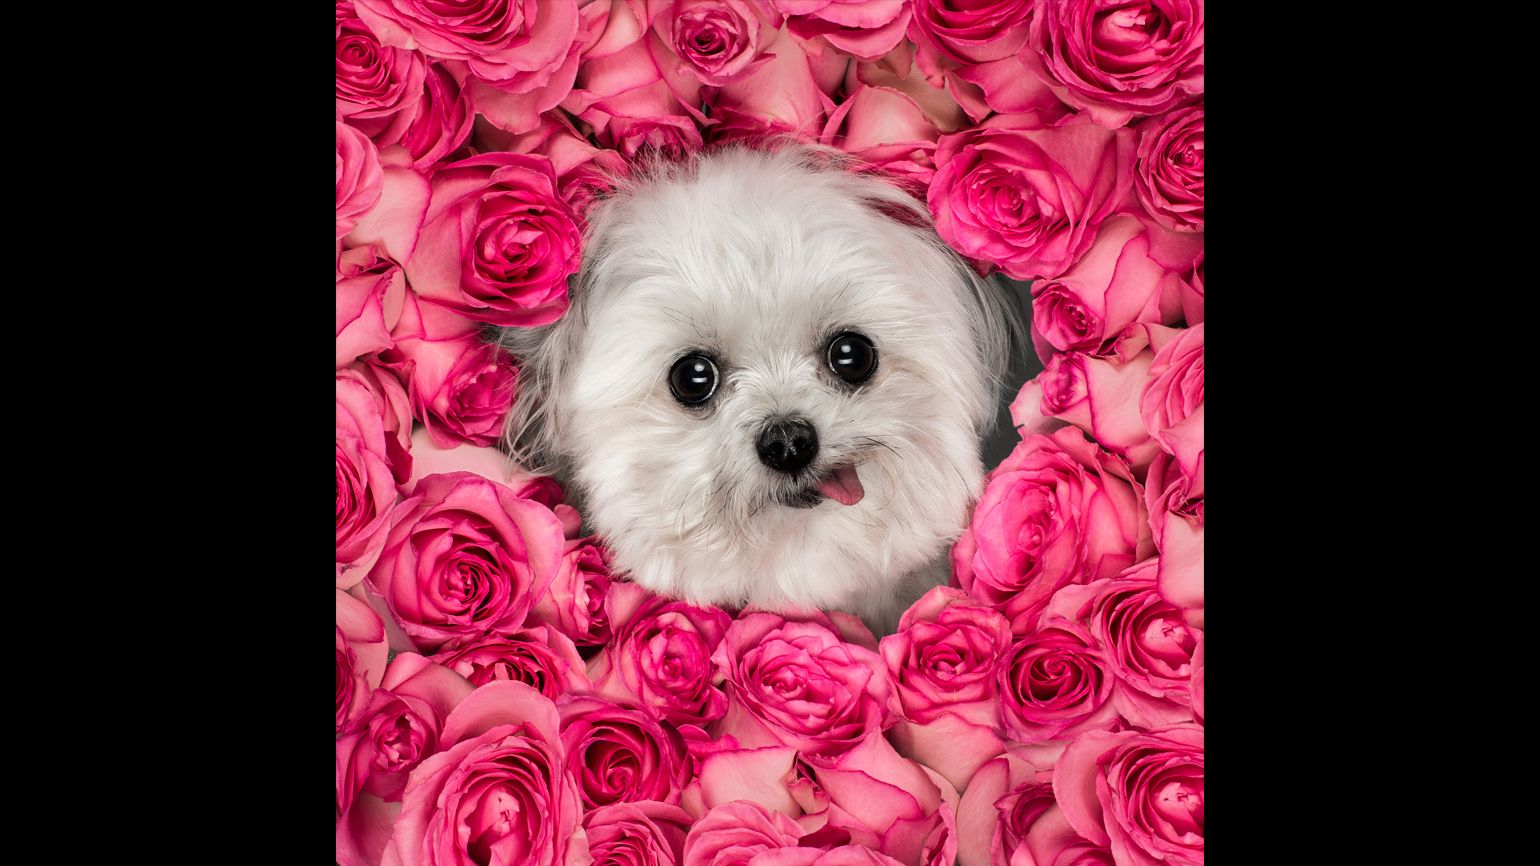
787,444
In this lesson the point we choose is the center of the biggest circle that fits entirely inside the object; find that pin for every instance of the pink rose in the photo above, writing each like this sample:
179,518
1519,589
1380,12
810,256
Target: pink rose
373,82
465,557
1192,293
799,684
866,29
882,801
891,121
1054,684
1057,511
716,41
1172,400
538,656
1026,197
620,754
461,386
361,655
372,458
1009,815
1138,792
637,834
399,729
435,125
660,655
1132,273
733,833
1197,680
370,292
1168,170
1095,393
583,171
1175,501
359,178
943,662
498,792
575,602
844,855
498,242
782,97
519,46
1119,59
967,32
429,459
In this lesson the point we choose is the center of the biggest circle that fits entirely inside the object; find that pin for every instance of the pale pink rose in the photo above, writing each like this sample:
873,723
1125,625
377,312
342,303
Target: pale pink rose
800,684
538,656
374,82
461,387
1119,59
1004,86
1009,816
370,291
1175,501
1192,293
430,459
943,662
1172,400
1168,169
866,29
574,604
783,97
1027,197
1098,394
1057,511
733,833
372,458
645,833
361,655
881,801
1055,684
498,792
660,655
498,241
394,224
716,41
890,122
517,46
967,32
1197,680
359,178
1172,407
1132,273
1138,792
621,753
583,172
1147,646
465,558
435,124
397,732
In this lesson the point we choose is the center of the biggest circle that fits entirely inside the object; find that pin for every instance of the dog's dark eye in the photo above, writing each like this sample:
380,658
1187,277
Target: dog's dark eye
693,379
852,357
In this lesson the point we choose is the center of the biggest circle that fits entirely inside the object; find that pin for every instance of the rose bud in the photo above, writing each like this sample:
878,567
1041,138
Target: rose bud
1138,792
660,655
538,656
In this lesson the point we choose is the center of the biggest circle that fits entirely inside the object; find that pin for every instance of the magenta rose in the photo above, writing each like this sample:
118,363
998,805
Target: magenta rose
783,97
1096,394
397,732
621,754
538,656
943,662
465,558
733,833
1168,170
1119,59
361,655
583,172
373,82
574,604
866,29
372,458
1131,274
1009,815
497,792
645,833
1057,511
435,124
1138,792
359,178
1054,684
461,386
660,655
799,684
716,41
498,242
370,292
1026,197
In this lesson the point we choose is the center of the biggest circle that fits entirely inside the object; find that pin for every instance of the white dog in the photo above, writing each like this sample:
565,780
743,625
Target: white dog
771,386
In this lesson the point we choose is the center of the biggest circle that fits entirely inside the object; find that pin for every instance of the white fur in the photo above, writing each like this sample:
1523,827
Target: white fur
761,257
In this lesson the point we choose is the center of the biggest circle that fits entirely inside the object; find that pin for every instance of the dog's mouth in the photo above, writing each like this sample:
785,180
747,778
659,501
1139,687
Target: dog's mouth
840,483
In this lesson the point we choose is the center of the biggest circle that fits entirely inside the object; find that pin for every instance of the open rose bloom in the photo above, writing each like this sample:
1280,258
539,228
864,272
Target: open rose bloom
506,695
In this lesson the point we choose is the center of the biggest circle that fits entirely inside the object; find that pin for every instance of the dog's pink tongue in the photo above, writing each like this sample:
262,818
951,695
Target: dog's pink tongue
844,486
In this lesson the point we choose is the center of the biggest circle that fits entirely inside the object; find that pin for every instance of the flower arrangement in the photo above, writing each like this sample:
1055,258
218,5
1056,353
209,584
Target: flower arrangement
503,698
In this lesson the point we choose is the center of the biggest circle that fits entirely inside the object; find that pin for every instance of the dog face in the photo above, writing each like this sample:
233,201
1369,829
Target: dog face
768,390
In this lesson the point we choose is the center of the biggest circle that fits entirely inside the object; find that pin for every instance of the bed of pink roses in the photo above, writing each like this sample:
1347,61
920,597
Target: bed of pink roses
503,698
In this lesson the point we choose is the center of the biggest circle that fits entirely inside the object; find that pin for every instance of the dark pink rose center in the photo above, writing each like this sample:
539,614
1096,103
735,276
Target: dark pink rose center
1131,35
1020,809
1179,802
498,825
1063,383
476,20
401,740
675,660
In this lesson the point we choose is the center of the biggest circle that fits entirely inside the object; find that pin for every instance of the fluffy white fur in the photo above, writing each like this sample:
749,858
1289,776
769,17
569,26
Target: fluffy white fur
759,258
